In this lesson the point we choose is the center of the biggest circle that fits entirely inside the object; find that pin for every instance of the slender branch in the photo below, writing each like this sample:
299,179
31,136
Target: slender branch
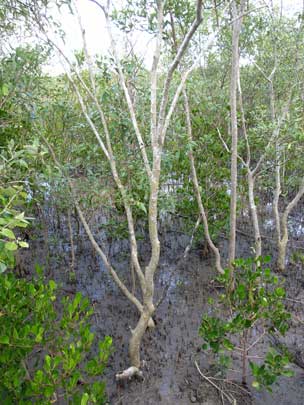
231,400
244,127
133,242
100,252
197,188
154,78
127,94
180,53
276,131
256,341
174,101
188,247
223,141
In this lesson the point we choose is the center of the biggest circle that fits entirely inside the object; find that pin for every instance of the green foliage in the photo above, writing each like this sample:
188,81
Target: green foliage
10,219
275,365
20,79
142,14
255,302
44,346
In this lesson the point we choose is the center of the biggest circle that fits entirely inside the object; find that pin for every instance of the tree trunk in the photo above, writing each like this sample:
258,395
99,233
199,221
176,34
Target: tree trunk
282,242
237,23
203,214
282,245
160,119
254,215
136,338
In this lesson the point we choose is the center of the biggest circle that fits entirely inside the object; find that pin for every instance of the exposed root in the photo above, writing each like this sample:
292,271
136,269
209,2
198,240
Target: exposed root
129,373
151,323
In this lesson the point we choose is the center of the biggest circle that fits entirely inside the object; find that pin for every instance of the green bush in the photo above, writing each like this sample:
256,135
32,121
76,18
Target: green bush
44,346
10,218
255,303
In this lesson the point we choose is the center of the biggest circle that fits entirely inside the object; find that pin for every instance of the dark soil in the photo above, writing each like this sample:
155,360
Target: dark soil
169,352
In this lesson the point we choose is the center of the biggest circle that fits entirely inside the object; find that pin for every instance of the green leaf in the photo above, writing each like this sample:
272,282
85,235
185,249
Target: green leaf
3,267
256,384
288,373
77,299
279,292
23,244
11,246
84,399
47,362
8,233
23,163
5,90
275,280
241,291
49,391
20,216
141,206
39,336
39,270
52,285
4,340
227,344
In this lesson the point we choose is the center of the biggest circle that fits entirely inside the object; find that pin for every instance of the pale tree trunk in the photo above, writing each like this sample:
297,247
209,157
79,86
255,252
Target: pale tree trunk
212,246
277,122
277,188
203,215
237,12
251,176
159,126
160,120
281,227
254,214
282,243
281,224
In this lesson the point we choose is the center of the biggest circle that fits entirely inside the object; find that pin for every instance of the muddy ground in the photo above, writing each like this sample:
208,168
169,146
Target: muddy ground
169,352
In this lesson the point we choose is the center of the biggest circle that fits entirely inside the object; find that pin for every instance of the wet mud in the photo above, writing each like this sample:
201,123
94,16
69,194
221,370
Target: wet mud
169,351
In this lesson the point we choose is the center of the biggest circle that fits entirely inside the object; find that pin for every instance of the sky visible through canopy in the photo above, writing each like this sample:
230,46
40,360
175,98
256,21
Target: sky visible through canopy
97,37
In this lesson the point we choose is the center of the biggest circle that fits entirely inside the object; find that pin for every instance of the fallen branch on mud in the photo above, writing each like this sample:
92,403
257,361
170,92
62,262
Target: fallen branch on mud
230,398
129,373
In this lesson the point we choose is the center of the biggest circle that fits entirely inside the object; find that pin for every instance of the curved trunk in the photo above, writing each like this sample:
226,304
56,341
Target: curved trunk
215,250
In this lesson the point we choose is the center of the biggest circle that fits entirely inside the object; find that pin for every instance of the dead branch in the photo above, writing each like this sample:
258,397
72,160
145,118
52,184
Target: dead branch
230,399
